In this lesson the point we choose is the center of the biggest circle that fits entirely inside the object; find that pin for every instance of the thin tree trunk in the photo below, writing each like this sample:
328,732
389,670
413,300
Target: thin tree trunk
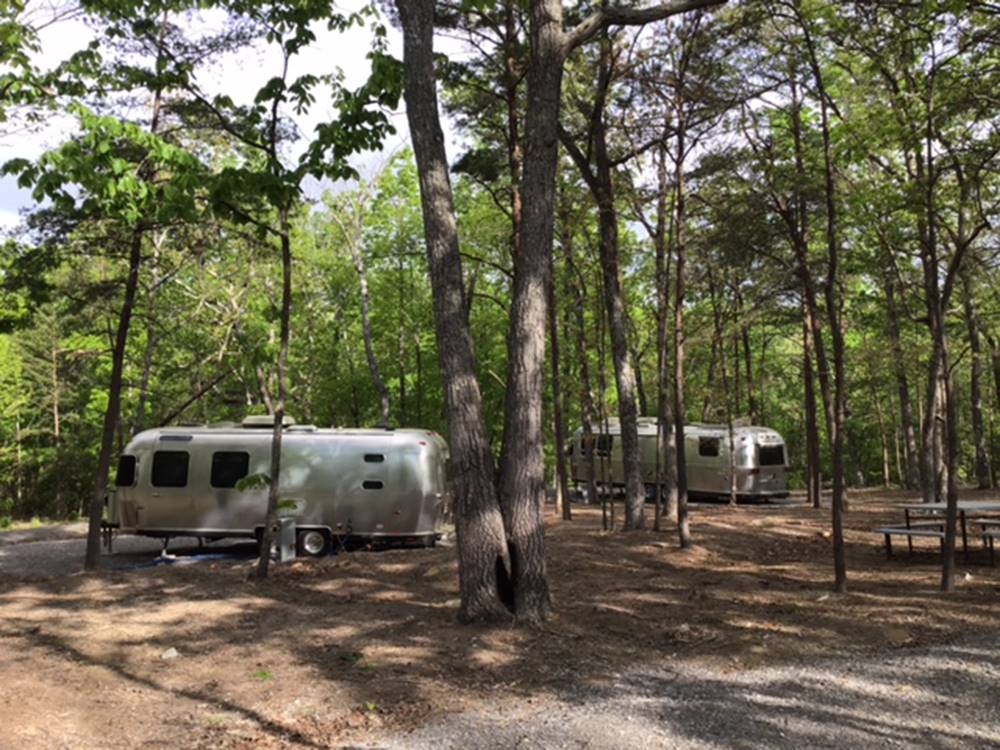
706,404
57,423
112,412
834,305
813,479
683,527
271,529
975,382
484,566
754,412
147,355
883,436
666,453
113,409
719,333
366,328
597,173
587,411
912,476
562,477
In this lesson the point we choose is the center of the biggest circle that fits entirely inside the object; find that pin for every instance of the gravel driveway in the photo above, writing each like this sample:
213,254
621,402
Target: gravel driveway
54,551
942,697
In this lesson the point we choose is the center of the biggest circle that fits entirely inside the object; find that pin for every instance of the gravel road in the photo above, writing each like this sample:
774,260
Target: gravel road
942,697
53,551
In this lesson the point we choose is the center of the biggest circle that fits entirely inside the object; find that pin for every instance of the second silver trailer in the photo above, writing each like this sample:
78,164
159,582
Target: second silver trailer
759,459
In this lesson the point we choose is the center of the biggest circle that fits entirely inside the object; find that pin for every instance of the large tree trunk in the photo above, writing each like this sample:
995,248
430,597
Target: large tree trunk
912,478
975,382
482,550
522,469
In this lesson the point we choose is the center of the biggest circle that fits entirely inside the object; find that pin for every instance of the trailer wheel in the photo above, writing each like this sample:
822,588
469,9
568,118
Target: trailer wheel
313,543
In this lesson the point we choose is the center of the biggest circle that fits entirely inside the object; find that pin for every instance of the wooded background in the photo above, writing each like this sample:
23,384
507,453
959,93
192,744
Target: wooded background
824,174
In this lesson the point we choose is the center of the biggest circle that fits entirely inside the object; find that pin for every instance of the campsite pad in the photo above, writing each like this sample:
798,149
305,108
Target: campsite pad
330,651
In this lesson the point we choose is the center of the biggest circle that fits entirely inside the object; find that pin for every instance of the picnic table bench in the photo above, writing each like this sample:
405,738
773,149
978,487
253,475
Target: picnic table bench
909,533
981,512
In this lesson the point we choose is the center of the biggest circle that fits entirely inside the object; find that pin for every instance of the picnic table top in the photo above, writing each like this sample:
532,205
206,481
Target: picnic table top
967,506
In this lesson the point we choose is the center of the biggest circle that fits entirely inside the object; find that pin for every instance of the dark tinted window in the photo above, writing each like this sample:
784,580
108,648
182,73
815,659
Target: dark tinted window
170,469
771,455
604,444
708,446
372,484
374,458
126,472
229,468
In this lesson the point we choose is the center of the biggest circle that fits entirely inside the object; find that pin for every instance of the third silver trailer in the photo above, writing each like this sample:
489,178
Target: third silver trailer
759,459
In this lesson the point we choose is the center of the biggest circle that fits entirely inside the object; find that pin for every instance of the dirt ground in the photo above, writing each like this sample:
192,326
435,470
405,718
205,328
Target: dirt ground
331,652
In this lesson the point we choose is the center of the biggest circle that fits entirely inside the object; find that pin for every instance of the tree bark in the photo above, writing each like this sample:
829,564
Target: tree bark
559,425
680,237
912,477
484,566
599,178
354,244
147,356
975,382
834,304
666,453
113,410
813,475
587,411
271,529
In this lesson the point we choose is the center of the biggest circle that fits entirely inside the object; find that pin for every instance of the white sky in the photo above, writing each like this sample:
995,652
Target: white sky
240,76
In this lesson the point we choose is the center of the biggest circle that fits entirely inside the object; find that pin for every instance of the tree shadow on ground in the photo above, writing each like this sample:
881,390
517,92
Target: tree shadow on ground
331,649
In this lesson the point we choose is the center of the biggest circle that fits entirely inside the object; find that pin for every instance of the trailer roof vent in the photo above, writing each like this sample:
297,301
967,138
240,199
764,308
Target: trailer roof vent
261,421
301,428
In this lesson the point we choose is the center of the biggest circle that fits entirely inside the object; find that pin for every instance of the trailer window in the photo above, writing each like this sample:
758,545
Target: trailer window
125,477
708,446
604,444
372,484
170,469
771,455
229,467
374,458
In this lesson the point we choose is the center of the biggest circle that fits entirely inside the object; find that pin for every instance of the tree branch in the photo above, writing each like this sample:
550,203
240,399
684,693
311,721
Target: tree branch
620,16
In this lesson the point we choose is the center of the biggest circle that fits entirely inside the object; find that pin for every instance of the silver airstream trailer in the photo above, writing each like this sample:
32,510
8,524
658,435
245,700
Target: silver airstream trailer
760,461
338,484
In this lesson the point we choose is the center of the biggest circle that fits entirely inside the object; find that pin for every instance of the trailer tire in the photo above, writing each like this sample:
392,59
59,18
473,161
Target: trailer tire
312,543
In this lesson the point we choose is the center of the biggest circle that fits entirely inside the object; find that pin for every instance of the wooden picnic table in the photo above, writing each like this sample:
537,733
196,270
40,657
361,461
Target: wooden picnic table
973,508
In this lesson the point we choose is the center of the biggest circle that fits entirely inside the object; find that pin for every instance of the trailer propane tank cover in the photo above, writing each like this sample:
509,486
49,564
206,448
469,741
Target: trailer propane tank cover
286,539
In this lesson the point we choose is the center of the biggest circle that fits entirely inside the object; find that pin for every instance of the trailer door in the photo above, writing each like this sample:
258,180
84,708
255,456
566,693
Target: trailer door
169,503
